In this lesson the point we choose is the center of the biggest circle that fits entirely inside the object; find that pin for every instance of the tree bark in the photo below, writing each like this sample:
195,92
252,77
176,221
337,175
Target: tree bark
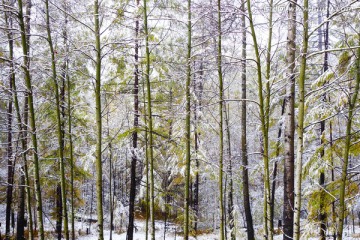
67,102
9,147
230,191
323,215
264,119
59,119
300,122
352,105
150,123
289,134
58,212
277,154
188,127
221,128
25,47
99,186
130,230
244,154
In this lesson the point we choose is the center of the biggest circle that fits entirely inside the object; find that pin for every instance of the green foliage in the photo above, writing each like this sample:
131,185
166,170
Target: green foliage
327,198
344,60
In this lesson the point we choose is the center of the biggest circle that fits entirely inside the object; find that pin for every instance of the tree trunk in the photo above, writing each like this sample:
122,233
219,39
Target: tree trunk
275,169
150,123
230,191
59,127
333,206
244,154
99,186
130,230
288,213
196,139
277,154
267,120
323,215
188,127
66,83
58,212
221,133
9,149
25,47
111,182
10,160
352,105
24,175
264,118
147,193
300,123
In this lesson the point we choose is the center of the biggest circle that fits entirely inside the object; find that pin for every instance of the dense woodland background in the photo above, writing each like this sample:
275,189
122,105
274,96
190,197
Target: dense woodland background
238,119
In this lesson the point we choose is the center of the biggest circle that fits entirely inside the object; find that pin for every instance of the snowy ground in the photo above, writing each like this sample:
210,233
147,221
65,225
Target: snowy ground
171,234
140,233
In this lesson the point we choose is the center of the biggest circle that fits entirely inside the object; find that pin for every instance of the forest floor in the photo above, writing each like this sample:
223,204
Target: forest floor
171,233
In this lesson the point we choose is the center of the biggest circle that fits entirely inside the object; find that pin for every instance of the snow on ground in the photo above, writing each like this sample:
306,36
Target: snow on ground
170,234
349,232
140,233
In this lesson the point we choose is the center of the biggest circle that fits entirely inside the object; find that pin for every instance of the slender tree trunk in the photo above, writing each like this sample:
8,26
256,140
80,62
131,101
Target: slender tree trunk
25,47
300,123
147,192
21,205
221,133
288,213
264,118
150,123
188,127
230,191
99,186
111,196
9,149
58,212
130,230
323,215
333,206
244,156
59,127
352,105
275,169
25,126
66,83
111,182
196,139
10,161
20,222
270,219
24,179
277,154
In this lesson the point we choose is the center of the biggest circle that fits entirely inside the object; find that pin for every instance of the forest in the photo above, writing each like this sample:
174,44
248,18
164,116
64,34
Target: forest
179,119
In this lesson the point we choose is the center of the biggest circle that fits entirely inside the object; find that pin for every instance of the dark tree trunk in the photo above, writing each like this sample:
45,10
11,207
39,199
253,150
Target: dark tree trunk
244,156
20,225
58,211
130,230
10,162
277,154
323,215
230,199
9,150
